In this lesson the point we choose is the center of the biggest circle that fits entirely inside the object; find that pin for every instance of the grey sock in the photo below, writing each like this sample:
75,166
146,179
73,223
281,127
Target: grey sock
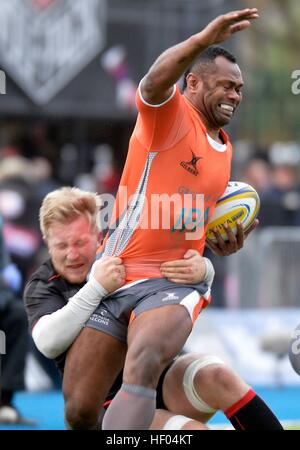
132,408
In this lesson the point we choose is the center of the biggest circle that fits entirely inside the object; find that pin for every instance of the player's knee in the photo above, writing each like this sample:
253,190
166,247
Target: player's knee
204,381
79,415
210,385
144,367
215,376
221,377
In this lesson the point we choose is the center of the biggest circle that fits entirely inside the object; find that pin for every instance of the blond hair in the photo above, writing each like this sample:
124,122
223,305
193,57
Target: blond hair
67,204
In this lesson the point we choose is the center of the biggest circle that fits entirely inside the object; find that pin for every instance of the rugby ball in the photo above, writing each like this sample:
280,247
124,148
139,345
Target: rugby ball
240,202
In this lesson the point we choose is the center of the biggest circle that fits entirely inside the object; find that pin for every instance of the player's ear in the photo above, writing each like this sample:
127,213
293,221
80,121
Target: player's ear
193,82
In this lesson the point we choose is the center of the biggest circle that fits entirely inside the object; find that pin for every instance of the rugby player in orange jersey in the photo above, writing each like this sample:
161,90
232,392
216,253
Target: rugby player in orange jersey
178,142
180,136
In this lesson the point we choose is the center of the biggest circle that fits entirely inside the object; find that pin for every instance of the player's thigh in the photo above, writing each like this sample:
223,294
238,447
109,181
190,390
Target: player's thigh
163,329
174,395
92,364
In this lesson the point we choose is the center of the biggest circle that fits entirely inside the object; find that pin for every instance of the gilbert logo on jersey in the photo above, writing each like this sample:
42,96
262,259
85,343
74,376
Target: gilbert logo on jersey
191,166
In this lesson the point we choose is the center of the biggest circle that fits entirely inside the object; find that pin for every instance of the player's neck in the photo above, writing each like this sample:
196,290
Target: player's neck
212,130
215,134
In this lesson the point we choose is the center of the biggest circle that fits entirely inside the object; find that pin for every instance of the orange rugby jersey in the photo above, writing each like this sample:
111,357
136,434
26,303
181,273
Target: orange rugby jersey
157,216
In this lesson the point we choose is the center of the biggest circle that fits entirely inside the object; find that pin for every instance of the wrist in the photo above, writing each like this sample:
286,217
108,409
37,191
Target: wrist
98,286
200,41
209,272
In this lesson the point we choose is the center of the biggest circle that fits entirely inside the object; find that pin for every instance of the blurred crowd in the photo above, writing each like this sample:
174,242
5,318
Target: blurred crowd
275,176
25,180
274,173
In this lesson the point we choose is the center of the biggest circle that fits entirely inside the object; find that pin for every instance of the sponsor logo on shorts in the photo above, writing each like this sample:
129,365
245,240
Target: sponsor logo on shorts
170,296
101,317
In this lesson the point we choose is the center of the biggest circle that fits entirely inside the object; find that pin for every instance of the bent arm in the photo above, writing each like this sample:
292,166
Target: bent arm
54,333
156,87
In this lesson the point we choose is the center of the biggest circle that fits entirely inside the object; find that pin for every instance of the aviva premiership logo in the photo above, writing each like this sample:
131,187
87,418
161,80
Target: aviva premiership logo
191,166
46,43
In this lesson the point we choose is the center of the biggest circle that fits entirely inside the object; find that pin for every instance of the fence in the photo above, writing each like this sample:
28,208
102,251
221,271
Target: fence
266,273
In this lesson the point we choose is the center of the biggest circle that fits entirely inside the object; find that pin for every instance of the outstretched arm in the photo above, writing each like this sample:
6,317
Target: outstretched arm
171,64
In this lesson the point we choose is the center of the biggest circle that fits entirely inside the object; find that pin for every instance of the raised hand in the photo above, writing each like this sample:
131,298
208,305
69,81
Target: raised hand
226,25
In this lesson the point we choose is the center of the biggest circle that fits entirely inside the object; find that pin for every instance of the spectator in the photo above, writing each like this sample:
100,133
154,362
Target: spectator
19,206
280,204
13,323
257,173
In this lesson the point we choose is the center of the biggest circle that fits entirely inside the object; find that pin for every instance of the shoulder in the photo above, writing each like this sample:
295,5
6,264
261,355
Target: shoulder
45,283
43,278
143,102
44,273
